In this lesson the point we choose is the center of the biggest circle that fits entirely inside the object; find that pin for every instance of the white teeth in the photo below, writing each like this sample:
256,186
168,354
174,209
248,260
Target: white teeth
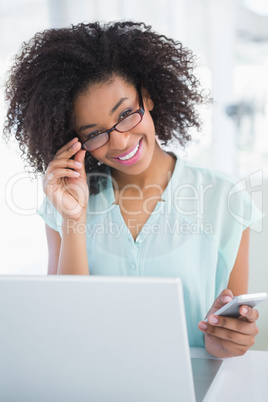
131,154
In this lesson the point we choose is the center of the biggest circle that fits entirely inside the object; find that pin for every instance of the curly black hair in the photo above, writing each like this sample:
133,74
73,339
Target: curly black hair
55,66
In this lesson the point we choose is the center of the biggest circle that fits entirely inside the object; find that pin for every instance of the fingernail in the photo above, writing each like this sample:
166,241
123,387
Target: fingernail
76,173
202,325
226,299
244,310
78,163
74,145
212,319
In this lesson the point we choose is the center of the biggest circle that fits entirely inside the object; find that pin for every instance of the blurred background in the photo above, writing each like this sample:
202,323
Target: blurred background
230,39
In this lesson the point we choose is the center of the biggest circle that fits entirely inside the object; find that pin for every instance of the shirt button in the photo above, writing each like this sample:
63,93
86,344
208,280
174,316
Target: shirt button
138,240
132,266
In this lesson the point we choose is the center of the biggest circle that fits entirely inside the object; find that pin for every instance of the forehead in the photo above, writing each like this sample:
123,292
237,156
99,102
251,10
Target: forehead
102,97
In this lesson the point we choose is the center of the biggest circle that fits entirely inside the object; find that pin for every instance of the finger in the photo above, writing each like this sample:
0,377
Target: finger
233,336
224,297
63,163
63,159
80,156
231,348
58,174
65,166
250,313
79,159
233,324
68,150
67,145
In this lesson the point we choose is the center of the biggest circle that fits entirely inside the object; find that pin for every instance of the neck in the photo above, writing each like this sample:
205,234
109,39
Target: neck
158,172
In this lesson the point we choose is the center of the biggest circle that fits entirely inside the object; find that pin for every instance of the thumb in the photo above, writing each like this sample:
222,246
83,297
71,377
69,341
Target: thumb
80,157
225,297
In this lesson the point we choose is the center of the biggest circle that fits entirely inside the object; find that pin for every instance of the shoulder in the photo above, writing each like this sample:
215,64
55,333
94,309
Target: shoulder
225,198
200,174
213,194
199,179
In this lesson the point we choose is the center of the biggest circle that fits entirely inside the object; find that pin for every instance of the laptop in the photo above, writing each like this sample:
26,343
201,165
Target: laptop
98,339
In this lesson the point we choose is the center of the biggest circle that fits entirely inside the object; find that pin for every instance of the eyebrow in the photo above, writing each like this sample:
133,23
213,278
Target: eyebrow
119,103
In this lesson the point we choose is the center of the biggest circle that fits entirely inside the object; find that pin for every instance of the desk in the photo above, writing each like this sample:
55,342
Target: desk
243,378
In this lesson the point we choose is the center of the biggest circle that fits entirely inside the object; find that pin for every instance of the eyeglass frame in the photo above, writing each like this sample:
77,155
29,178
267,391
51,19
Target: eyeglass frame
140,111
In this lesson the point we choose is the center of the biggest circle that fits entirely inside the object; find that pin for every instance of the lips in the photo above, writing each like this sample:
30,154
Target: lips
132,156
126,153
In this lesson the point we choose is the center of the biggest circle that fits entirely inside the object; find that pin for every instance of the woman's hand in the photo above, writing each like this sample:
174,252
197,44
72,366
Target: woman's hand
65,181
229,337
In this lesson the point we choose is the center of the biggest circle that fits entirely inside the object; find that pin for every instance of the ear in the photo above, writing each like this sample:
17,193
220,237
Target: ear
147,99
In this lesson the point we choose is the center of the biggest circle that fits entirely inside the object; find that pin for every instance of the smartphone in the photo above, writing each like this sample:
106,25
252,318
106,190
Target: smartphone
231,309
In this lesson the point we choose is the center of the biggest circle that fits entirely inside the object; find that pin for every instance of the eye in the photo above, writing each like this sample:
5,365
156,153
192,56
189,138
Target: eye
93,134
125,114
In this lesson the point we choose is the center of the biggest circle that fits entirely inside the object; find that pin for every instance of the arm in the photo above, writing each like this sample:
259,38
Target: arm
228,337
73,251
238,280
67,255
65,184
53,243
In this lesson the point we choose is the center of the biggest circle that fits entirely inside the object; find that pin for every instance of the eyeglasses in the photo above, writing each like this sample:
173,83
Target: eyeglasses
122,126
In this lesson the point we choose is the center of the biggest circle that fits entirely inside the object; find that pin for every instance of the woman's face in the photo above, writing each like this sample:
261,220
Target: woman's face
100,108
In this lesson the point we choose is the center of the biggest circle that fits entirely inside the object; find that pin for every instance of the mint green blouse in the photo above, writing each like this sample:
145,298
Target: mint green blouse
194,233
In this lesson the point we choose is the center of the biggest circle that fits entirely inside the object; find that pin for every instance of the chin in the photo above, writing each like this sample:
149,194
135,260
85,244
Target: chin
135,169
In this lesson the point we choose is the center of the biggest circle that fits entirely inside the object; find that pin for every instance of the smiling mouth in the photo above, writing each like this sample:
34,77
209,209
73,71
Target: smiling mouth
129,155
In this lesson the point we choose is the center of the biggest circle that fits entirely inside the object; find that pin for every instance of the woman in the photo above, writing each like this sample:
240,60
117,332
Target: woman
91,107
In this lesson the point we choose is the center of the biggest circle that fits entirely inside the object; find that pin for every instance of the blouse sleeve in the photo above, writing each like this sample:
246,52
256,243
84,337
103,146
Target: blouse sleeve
50,215
233,211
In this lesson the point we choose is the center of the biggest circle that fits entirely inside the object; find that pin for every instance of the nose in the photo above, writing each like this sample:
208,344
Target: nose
119,140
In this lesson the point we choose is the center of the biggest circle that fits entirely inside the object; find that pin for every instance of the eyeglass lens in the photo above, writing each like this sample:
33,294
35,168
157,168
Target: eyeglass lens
124,125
